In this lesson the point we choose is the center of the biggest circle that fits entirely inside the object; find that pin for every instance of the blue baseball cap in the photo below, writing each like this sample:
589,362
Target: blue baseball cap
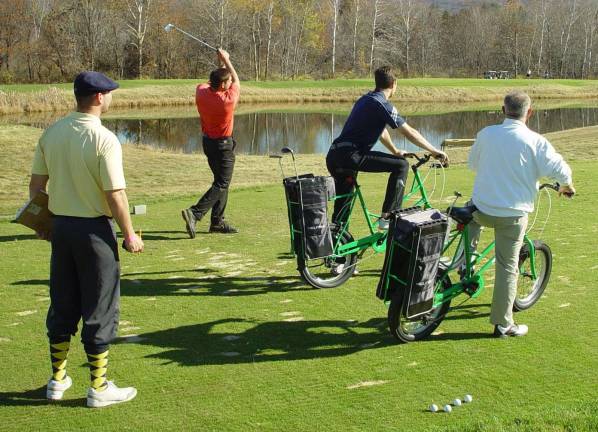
90,82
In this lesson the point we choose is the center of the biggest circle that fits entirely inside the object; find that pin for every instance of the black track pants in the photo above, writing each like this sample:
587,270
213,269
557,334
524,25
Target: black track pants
344,164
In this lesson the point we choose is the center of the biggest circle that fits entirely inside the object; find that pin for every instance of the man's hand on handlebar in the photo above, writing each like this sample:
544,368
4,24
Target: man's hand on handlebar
441,156
567,191
399,153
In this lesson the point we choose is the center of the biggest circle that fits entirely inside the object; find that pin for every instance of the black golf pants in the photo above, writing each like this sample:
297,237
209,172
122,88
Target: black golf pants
344,164
221,159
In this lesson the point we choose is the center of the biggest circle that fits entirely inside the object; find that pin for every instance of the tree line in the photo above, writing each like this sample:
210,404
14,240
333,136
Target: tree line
52,40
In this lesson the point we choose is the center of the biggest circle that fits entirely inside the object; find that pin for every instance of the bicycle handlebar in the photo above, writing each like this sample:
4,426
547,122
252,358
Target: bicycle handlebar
553,186
421,160
556,187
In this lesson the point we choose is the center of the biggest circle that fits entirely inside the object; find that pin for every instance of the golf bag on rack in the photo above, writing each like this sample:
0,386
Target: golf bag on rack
307,203
414,246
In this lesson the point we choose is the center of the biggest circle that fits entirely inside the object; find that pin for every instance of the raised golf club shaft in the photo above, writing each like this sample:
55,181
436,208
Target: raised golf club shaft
193,37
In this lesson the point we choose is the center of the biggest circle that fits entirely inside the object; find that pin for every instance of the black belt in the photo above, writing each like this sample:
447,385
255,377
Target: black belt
217,139
81,217
344,145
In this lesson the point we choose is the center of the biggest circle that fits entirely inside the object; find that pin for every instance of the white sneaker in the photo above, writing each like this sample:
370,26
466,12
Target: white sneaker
512,330
337,269
111,395
383,224
56,389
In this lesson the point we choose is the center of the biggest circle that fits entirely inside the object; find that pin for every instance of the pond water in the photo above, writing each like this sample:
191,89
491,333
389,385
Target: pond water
260,133
264,133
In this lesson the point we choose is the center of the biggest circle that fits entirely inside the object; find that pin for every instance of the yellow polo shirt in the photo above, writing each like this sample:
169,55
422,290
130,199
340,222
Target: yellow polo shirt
82,159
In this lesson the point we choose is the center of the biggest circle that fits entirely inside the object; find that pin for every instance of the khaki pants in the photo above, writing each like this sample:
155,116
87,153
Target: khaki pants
508,234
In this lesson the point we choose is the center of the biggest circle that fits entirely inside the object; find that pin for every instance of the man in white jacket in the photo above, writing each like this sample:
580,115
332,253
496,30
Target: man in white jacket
509,159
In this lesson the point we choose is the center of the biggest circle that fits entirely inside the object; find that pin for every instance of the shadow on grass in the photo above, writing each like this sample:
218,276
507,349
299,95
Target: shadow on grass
206,344
17,237
471,311
164,235
215,285
193,286
456,337
35,397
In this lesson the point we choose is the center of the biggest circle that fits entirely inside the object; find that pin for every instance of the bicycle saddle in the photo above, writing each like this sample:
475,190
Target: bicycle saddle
462,215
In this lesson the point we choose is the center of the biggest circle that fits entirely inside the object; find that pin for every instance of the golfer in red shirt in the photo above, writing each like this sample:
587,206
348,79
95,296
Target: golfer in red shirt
216,102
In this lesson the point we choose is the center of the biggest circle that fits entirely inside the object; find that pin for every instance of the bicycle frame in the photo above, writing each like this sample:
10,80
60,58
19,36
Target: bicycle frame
376,240
472,281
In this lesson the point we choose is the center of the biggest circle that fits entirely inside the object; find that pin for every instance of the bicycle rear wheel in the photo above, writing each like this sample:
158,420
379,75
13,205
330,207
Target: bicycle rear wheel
409,330
329,272
529,290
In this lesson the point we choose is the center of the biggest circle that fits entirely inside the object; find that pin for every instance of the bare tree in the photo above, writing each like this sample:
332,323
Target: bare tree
137,27
44,40
356,8
11,30
38,10
91,26
572,17
270,16
335,5
377,15
544,25
408,14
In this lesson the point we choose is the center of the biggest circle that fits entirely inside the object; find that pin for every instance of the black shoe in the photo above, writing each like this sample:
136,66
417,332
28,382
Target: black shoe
190,221
223,227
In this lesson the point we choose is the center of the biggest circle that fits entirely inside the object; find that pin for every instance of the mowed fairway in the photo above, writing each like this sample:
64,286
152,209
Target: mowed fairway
219,333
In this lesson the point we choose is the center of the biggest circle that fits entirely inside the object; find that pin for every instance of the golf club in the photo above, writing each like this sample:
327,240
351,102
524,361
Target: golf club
169,27
287,150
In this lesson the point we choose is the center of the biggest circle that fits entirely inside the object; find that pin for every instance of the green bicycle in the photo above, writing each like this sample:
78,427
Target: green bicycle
535,265
336,268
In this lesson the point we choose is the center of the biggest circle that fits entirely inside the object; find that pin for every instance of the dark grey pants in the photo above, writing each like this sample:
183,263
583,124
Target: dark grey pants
221,158
84,281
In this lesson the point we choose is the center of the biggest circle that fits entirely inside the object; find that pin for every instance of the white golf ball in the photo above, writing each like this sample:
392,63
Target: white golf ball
457,402
467,398
448,408
433,408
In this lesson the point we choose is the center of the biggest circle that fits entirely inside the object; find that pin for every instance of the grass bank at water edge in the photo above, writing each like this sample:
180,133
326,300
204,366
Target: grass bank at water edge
150,93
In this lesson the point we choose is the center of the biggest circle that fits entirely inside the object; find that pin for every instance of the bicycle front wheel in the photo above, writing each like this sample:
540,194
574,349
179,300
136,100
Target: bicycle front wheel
329,272
409,330
529,290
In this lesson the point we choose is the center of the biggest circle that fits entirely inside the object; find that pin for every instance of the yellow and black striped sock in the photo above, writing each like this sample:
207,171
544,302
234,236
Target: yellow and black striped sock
58,353
98,365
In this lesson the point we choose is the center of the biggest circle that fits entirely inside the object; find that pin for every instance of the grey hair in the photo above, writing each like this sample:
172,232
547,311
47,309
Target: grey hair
516,104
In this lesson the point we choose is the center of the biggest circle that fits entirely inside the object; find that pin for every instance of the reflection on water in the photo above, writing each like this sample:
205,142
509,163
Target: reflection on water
267,132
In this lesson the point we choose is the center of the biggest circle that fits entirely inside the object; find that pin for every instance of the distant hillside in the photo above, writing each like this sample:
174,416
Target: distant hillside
455,5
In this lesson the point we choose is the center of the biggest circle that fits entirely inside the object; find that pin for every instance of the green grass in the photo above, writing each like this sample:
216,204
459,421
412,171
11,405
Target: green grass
183,297
422,82
329,83
28,98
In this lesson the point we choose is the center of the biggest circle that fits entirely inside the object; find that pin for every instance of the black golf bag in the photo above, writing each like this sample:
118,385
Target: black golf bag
413,249
307,196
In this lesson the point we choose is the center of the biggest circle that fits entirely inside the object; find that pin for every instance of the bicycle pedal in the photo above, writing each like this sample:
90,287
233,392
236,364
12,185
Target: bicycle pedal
471,287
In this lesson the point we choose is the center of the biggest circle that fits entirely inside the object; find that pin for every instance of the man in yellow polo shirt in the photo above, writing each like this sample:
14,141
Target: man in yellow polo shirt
81,163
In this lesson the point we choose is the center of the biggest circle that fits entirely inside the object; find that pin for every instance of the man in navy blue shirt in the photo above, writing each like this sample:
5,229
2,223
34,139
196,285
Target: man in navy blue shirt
351,151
